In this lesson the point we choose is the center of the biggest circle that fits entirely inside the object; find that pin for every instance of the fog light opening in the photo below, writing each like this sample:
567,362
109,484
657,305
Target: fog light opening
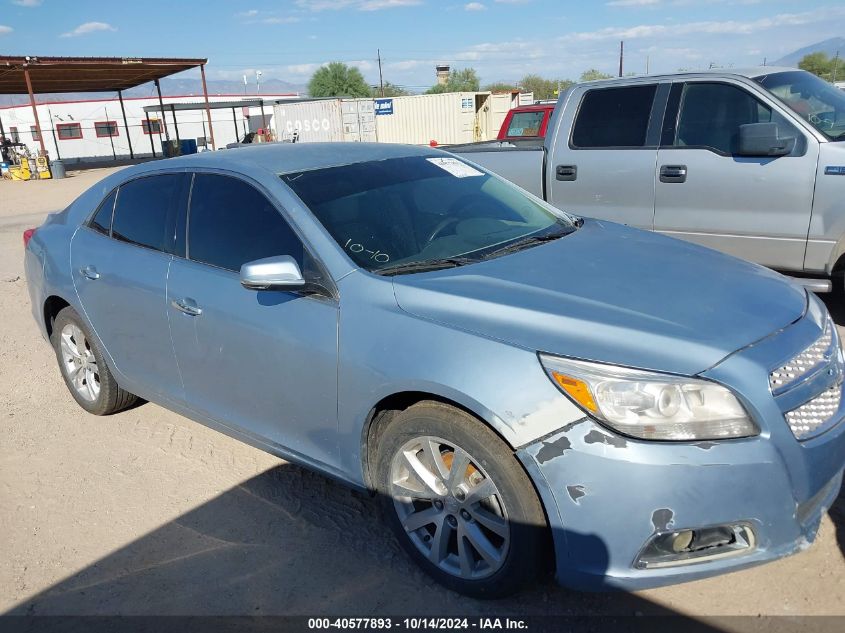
681,547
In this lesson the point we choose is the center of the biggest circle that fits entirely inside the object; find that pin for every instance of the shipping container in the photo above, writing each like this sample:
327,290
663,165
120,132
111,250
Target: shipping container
325,120
447,119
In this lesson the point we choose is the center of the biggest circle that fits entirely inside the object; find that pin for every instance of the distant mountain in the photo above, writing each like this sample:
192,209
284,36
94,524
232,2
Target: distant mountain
829,47
170,86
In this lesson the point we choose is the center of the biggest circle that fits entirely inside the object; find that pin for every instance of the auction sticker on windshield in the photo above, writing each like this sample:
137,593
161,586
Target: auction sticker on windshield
455,167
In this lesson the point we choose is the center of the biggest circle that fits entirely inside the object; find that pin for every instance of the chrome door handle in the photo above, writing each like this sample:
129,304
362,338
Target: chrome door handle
89,272
673,173
188,306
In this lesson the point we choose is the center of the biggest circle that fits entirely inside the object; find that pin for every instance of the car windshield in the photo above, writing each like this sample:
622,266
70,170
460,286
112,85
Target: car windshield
815,100
403,214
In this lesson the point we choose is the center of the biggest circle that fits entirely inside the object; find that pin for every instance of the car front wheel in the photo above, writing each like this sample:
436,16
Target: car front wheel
459,501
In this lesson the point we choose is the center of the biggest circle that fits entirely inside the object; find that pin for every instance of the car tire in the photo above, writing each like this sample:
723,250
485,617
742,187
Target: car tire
83,367
480,545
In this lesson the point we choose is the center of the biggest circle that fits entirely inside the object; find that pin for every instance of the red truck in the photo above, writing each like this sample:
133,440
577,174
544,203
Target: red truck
528,121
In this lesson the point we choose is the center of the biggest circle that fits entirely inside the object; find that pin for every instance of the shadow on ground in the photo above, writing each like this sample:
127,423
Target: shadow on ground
287,541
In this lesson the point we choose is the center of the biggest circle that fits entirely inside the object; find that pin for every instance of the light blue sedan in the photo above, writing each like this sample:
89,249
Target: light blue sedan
527,391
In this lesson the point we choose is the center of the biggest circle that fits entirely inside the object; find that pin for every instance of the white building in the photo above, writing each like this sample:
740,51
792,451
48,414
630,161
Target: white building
94,130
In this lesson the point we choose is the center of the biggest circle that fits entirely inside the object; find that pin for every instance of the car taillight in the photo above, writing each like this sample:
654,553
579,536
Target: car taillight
27,235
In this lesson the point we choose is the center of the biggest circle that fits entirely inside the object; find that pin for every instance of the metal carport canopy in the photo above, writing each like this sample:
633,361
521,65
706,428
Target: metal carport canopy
36,75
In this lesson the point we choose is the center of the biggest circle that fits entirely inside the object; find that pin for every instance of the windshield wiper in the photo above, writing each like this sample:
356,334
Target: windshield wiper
525,242
424,265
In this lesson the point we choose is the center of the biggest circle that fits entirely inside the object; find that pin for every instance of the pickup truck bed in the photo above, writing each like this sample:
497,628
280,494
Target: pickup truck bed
523,161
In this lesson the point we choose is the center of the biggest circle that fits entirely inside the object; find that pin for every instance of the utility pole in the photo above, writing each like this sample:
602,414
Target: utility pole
380,78
621,56
835,64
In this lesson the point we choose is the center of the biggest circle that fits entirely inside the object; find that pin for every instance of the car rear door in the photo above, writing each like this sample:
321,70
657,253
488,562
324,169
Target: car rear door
119,263
754,208
605,167
263,362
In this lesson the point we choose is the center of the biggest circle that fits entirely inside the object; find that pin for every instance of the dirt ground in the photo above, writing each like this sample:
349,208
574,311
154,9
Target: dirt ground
147,512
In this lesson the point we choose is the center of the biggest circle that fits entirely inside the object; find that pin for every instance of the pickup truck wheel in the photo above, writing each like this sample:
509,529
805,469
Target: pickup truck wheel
459,502
83,367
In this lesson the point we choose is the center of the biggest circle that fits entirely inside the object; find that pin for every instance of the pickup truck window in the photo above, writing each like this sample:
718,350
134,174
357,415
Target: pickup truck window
418,209
526,123
613,117
711,113
813,99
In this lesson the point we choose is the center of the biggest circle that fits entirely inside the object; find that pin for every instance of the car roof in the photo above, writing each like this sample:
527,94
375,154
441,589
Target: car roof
280,158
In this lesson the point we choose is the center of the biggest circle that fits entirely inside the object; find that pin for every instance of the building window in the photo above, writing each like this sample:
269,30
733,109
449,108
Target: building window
34,131
105,128
68,131
151,126
13,132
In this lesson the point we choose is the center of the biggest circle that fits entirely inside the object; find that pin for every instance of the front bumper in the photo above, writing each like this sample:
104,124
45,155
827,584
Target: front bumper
606,496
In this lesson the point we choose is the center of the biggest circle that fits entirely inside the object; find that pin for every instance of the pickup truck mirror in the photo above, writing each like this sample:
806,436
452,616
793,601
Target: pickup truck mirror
272,273
763,139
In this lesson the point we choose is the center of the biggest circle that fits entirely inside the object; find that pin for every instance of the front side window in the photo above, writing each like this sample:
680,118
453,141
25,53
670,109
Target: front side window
613,117
146,209
231,223
711,113
418,209
526,123
812,98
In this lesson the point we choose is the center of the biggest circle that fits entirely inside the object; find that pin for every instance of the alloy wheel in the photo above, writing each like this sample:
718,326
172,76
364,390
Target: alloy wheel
79,363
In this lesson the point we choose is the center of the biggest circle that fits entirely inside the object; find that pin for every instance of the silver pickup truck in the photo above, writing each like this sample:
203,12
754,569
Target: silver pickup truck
749,162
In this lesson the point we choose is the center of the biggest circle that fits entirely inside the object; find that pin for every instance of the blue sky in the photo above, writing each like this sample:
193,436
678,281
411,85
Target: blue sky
502,39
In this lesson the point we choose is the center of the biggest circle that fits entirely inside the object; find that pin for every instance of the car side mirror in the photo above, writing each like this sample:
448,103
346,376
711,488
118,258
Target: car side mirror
763,139
280,272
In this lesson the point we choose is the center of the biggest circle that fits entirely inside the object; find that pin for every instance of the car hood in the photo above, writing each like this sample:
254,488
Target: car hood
613,294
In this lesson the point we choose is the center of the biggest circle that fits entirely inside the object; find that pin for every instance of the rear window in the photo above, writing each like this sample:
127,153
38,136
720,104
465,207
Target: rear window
526,123
614,117
101,222
145,213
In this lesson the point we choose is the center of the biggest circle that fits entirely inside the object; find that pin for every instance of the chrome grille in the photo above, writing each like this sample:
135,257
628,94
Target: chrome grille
813,416
802,364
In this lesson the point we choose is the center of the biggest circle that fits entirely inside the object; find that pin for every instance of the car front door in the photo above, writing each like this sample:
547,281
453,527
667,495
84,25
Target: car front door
263,362
754,208
605,168
119,261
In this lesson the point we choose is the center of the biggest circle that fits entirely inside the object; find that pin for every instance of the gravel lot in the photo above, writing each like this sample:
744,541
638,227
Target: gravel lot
147,512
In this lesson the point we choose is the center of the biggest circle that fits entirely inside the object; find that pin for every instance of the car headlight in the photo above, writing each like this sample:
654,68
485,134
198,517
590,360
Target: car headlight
650,405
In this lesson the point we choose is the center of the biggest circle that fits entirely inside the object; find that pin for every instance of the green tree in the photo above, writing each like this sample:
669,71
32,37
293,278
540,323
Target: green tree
818,64
465,80
500,86
543,88
593,75
390,90
338,80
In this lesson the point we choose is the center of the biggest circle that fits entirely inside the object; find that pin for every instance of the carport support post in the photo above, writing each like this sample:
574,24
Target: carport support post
125,124
235,121
175,124
207,109
163,117
263,122
34,110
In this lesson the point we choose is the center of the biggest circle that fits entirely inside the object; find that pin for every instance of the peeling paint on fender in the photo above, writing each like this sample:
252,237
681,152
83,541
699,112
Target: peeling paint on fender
551,450
597,437
576,492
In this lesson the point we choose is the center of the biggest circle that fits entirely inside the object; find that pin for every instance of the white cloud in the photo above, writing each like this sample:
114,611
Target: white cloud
5,30
708,27
632,3
27,3
474,6
360,5
89,27
247,14
281,20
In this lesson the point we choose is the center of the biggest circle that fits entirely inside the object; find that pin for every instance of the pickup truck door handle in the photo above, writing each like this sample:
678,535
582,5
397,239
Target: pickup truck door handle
566,172
89,272
673,173
187,305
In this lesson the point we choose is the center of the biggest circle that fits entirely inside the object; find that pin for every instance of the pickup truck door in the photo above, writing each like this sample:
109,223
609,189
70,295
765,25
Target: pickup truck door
605,167
754,208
